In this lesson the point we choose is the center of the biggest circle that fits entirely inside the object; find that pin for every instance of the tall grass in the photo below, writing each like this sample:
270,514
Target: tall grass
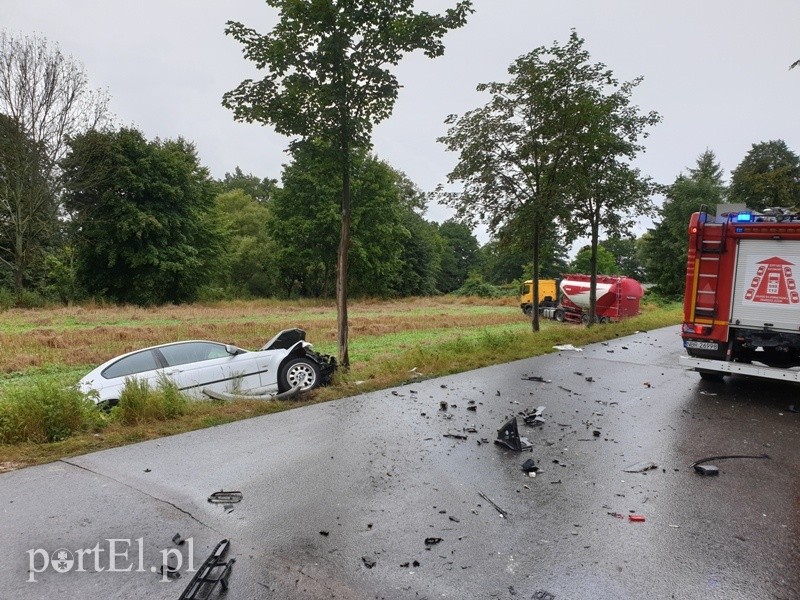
139,403
44,412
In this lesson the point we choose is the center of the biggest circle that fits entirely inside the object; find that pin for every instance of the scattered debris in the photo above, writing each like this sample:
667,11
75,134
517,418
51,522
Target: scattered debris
616,515
222,497
508,435
641,467
543,595
215,569
454,519
705,393
529,466
636,518
368,562
534,417
538,378
647,384
696,463
568,347
473,408
596,433
706,469
443,405
432,541
147,470
177,539
325,533
503,514
457,436
590,379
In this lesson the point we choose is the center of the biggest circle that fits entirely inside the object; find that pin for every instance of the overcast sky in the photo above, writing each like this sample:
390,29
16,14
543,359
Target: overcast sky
716,70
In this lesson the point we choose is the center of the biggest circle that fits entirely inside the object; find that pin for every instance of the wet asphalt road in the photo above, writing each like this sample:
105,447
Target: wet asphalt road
329,490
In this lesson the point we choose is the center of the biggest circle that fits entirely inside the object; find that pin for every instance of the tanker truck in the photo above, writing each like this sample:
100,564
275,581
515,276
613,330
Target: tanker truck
617,297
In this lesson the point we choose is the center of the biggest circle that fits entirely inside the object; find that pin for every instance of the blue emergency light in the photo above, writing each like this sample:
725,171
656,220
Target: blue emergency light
744,217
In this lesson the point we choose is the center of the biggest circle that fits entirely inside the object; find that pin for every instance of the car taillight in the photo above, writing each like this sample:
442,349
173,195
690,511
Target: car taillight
696,329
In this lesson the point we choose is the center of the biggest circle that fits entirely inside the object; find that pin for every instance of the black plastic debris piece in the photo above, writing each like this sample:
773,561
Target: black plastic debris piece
471,429
443,405
456,436
177,539
706,469
538,378
432,541
222,497
589,379
596,433
534,417
325,533
529,466
368,562
543,595
405,565
473,408
147,470
454,519
415,563
508,436
214,570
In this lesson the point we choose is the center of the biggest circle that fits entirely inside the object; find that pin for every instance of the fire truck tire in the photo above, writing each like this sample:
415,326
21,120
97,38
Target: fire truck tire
711,376
559,315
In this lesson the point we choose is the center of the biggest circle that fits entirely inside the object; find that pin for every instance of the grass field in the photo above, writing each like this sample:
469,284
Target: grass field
390,343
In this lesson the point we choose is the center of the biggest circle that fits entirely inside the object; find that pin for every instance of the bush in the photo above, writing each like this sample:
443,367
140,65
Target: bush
45,412
138,403
476,286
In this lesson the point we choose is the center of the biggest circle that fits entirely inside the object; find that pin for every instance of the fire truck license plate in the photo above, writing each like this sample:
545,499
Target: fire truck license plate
702,345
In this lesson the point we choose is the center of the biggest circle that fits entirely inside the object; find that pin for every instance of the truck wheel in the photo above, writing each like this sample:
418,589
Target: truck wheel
585,319
302,372
559,315
527,309
711,376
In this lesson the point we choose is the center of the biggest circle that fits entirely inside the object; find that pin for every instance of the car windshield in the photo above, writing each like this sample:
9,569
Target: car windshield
189,352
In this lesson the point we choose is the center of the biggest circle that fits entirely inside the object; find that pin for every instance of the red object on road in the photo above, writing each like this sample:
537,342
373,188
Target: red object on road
636,518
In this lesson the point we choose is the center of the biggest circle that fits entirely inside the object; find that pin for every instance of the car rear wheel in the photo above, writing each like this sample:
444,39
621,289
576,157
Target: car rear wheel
299,372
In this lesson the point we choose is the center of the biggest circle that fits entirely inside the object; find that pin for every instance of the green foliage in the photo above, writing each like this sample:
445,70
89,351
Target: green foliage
665,247
27,205
248,266
420,257
261,190
45,412
139,403
476,286
143,209
625,251
768,176
306,224
459,255
606,262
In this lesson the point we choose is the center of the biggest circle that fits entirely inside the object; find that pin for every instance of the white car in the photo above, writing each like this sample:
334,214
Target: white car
282,364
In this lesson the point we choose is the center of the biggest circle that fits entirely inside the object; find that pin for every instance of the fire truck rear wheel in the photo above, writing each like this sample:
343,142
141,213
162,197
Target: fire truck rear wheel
711,376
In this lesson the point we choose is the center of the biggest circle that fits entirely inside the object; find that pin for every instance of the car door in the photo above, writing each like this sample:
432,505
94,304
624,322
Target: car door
145,365
197,364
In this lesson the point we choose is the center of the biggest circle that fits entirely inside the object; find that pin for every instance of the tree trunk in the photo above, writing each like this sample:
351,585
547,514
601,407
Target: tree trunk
341,274
593,274
535,309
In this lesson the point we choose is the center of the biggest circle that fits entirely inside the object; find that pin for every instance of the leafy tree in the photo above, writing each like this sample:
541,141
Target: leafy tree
261,190
665,246
250,263
605,261
626,256
459,255
143,210
27,204
519,154
327,78
305,223
768,176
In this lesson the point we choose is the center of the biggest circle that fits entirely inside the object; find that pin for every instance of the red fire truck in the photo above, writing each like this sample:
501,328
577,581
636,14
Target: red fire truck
742,303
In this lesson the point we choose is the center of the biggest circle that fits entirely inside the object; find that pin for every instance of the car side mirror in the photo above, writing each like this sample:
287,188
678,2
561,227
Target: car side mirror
233,350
